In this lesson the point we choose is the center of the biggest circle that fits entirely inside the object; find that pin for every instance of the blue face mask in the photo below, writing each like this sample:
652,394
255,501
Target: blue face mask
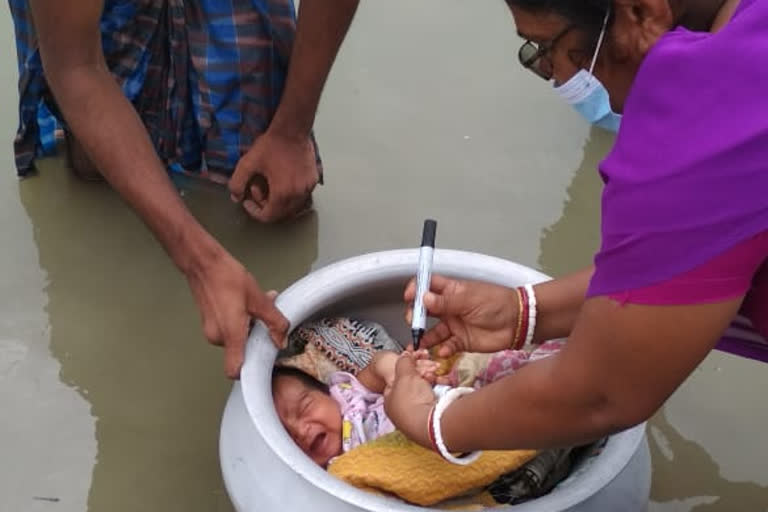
589,97
584,92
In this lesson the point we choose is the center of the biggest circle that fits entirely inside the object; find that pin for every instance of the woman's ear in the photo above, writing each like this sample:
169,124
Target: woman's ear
638,24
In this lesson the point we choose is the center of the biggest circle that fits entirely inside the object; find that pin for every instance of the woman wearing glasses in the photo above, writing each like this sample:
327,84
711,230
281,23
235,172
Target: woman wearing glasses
684,231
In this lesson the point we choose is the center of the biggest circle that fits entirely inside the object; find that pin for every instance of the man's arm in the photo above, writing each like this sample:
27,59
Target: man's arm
284,154
108,126
320,30
115,139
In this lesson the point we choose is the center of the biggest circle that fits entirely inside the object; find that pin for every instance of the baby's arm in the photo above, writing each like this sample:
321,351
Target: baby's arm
380,372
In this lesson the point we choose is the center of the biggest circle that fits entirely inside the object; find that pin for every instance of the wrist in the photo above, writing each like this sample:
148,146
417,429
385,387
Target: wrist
289,128
423,436
195,251
526,317
444,444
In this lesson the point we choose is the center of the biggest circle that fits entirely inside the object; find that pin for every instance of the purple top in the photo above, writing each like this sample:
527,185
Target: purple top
688,176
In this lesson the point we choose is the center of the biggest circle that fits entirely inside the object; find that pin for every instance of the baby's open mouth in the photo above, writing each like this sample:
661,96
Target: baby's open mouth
317,442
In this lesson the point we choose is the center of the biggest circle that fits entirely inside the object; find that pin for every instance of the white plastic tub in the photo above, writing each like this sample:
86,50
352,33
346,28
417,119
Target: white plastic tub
265,471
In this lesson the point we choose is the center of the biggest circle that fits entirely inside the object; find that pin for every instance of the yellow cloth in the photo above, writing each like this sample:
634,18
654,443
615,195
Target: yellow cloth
395,465
445,364
466,366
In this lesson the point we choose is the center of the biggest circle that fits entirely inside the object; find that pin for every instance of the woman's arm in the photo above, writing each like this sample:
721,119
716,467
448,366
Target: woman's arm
619,365
558,304
618,368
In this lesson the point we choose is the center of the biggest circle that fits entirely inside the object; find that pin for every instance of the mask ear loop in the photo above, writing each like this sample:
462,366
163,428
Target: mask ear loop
599,42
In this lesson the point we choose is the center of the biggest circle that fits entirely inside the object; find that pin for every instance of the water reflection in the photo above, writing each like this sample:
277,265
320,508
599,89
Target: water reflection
570,243
126,331
683,471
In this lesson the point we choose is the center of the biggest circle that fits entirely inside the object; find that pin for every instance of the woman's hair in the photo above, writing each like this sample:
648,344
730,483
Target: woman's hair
305,378
586,15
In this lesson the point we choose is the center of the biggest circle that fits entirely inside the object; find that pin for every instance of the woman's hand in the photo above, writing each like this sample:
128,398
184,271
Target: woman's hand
474,316
409,399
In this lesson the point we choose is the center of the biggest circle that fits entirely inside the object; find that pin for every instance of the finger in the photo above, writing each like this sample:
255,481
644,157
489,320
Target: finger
406,366
252,208
421,355
244,171
258,190
272,295
234,351
426,364
283,202
440,305
273,209
439,283
449,347
436,335
410,291
258,194
262,307
444,380
209,323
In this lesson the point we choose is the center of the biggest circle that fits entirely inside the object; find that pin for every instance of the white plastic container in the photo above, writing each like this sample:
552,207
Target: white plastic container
265,471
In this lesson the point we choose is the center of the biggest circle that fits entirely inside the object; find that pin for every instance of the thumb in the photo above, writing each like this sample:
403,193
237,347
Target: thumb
244,170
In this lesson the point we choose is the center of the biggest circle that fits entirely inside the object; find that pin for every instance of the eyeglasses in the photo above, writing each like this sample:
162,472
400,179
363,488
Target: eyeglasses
532,55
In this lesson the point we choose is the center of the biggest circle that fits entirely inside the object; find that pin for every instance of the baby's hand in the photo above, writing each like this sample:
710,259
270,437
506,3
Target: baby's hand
427,369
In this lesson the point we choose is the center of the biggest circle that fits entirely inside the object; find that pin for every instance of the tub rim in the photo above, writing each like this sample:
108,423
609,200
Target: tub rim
320,289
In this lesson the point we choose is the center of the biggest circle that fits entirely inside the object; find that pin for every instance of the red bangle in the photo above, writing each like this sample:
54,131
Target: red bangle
522,319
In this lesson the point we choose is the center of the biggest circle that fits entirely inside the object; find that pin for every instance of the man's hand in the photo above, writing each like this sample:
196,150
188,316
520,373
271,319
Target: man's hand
284,156
229,297
289,170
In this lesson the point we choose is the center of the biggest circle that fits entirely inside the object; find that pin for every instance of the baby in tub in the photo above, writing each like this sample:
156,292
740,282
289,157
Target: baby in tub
326,421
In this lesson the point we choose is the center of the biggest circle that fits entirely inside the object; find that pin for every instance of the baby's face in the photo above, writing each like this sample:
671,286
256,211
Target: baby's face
311,417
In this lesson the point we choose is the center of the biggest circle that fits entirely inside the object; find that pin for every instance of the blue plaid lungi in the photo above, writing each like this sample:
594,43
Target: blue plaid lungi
205,76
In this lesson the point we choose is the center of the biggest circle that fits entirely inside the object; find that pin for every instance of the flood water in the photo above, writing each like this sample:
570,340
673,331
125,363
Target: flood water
110,397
